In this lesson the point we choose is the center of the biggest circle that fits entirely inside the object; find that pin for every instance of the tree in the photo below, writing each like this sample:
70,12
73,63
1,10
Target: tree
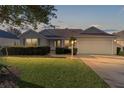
14,31
21,15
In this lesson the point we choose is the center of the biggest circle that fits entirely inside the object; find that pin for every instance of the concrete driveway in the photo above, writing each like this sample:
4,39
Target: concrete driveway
109,68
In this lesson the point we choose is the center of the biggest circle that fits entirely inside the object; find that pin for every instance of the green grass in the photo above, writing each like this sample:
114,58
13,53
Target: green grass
53,72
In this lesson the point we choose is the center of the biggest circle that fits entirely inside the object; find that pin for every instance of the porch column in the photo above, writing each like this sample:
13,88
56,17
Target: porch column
51,42
62,43
24,42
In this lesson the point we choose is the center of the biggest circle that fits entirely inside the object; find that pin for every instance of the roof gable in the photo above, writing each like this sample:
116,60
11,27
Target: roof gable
5,34
95,31
30,33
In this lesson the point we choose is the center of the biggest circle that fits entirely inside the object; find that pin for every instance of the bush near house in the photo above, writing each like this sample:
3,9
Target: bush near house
118,50
121,53
60,50
27,50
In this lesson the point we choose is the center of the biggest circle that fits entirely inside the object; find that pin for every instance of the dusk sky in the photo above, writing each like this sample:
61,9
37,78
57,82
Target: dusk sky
104,17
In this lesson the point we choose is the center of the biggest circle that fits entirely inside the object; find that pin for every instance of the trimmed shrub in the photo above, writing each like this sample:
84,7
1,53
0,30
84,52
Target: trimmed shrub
26,50
60,50
118,50
121,53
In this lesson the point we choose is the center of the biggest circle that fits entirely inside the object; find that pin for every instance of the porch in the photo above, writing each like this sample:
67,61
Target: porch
54,43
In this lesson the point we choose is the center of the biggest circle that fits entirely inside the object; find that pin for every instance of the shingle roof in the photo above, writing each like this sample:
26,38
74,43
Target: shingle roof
67,33
60,33
95,31
31,33
4,34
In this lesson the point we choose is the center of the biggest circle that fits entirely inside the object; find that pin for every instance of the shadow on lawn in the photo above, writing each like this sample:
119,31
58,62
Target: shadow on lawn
9,78
25,84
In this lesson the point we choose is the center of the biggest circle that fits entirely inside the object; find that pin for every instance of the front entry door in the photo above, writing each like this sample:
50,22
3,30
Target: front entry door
55,43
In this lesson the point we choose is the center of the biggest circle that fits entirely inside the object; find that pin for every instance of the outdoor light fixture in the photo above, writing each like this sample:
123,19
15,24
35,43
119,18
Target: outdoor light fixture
72,42
75,41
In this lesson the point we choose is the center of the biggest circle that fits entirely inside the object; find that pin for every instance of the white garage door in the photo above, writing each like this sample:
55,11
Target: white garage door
94,46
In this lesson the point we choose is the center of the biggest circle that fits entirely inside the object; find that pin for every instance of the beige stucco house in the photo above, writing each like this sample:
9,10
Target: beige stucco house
120,39
89,41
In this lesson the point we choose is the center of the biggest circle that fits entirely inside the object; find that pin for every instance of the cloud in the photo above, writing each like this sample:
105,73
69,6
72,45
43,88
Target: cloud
111,30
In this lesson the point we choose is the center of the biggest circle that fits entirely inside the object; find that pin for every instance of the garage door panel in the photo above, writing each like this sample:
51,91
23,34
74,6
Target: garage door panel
95,46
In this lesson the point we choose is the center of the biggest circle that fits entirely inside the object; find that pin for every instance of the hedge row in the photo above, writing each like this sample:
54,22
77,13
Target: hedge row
26,50
65,51
119,52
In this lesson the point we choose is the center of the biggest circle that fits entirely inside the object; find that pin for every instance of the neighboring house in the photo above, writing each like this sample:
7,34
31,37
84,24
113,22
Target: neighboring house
8,39
89,41
120,38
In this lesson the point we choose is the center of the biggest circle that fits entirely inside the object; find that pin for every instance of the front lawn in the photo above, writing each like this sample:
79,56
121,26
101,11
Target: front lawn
53,72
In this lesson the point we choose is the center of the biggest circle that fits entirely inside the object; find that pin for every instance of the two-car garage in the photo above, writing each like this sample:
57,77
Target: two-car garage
96,45
96,41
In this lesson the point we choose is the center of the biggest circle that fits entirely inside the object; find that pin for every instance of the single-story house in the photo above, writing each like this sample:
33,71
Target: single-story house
89,41
8,39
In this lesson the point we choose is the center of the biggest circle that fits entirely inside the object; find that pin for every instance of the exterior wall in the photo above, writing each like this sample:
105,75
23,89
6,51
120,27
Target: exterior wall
9,42
96,45
43,42
120,42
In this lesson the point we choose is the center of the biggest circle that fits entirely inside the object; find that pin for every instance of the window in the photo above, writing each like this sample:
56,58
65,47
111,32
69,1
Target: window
31,42
66,43
57,43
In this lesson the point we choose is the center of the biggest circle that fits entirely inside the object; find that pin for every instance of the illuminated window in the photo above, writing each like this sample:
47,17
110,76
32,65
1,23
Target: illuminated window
67,43
57,43
31,42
